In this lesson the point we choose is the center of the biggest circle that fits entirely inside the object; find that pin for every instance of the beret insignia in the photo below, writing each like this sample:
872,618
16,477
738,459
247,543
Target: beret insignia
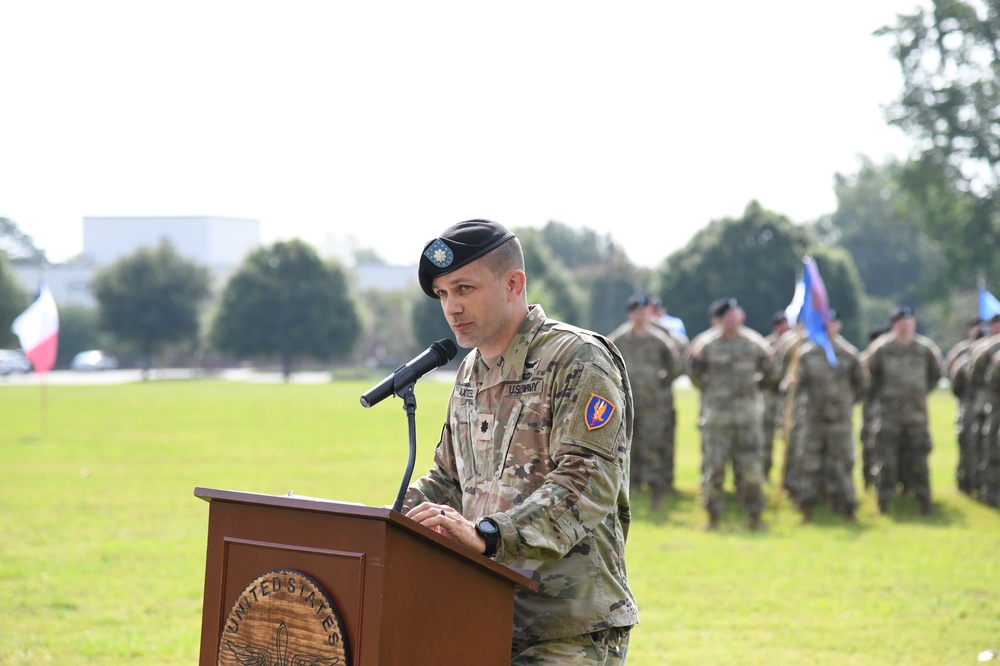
439,254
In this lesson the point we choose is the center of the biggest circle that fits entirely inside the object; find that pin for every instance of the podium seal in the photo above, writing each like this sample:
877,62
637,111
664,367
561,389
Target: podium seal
283,617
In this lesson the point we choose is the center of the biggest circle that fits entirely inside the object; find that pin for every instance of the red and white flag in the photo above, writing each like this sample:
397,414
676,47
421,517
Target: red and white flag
38,330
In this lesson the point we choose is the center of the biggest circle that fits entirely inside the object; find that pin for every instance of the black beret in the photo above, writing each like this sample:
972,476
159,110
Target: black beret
900,312
637,301
832,315
457,246
721,306
778,317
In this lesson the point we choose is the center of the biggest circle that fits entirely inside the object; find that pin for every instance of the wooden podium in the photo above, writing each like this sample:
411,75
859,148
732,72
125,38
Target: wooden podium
403,594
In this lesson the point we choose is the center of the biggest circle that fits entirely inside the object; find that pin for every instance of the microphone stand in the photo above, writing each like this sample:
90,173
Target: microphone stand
410,407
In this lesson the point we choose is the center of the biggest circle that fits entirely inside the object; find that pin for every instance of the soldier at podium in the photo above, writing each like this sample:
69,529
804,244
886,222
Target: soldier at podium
532,467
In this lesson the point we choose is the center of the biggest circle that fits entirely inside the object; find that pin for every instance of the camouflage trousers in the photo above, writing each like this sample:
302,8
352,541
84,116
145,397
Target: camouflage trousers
652,452
967,430
774,419
825,464
742,447
608,647
989,464
901,452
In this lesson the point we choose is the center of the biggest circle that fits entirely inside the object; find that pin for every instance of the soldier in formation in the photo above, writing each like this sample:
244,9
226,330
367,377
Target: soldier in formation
904,367
730,364
983,377
825,456
956,369
654,360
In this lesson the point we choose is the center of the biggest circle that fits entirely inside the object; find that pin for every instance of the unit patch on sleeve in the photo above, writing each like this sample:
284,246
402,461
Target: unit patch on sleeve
598,412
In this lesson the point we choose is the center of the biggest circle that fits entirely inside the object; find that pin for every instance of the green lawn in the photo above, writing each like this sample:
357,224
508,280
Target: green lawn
102,543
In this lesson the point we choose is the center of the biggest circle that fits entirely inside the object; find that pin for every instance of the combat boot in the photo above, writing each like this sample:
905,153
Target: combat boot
807,514
925,506
756,524
656,499
713,522
883,507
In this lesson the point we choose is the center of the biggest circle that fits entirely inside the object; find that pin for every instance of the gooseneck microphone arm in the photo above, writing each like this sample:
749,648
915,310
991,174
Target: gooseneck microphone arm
410,407
400,383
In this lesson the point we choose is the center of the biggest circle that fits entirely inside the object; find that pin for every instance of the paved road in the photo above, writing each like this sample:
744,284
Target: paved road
126,376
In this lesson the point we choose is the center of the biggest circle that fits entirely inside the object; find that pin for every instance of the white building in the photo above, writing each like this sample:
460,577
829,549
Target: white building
219,243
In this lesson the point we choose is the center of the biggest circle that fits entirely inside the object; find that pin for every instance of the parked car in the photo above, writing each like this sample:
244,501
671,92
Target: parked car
94,359
14,361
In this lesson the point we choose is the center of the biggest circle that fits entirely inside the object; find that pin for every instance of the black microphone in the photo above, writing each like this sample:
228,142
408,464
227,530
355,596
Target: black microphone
431,358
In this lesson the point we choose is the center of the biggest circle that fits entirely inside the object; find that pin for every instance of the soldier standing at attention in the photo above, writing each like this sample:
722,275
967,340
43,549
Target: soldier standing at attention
654,362
729,364
984,407
825,460
956,371
532,468
869,409
774,403
904,368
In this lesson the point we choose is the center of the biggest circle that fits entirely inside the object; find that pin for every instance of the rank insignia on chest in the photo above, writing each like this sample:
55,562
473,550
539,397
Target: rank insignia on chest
598,412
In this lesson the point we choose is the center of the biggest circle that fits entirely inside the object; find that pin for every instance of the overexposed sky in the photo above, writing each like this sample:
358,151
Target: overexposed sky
378,124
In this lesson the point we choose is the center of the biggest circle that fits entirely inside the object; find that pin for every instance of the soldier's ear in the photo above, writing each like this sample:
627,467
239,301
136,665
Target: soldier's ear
516,283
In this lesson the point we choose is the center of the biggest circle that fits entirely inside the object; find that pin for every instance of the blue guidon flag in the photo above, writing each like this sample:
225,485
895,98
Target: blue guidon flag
439,254
599,411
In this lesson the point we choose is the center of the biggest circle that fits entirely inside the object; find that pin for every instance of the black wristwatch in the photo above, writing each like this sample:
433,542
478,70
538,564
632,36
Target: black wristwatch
488,529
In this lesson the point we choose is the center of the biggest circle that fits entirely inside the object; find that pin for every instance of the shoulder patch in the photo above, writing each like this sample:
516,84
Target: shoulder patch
598,413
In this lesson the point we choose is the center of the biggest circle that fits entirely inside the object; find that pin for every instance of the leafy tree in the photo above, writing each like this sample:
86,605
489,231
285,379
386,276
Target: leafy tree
892,254
950,105
13,300
283,302
18,245
150,299
550,282
428,321
385,341
576,247
608,286
754,259
78,331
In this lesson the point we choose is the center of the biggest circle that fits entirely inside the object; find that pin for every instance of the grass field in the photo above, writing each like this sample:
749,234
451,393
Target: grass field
102,543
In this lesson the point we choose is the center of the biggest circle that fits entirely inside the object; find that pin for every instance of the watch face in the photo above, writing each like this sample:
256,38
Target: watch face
487,526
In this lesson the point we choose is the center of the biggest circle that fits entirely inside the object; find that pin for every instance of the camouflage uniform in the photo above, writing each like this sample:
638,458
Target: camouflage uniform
774,411
539,442
989,479
729,373
956,369
901,377
983,408
825,461
654,361
787,349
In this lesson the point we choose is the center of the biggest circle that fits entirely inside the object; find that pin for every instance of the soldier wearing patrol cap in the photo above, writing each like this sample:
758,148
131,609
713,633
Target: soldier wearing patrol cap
532,468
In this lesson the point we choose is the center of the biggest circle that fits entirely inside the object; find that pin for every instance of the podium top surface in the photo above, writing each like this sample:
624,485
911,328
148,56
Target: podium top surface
525,579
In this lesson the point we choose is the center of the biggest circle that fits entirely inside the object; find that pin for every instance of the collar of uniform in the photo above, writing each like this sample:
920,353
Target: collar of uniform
511,365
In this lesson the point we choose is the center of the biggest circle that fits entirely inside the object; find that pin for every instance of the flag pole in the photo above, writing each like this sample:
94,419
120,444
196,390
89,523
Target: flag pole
786,424
44,407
